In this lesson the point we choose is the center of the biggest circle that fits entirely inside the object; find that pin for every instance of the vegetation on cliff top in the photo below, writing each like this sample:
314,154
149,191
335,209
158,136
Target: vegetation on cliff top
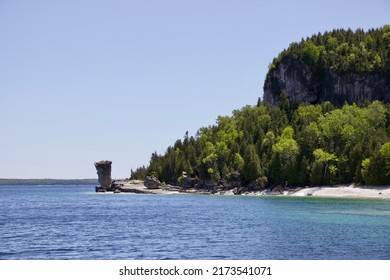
343,51
309,145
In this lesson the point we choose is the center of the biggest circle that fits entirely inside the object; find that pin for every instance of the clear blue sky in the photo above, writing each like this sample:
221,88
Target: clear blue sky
82,81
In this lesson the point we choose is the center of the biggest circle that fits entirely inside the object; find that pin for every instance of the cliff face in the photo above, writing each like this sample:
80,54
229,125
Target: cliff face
294,79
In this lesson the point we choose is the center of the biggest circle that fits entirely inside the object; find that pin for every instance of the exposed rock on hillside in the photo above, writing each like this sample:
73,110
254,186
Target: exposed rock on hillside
294,79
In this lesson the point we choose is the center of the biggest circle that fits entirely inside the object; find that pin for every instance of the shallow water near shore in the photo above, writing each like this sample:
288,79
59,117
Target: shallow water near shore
73,222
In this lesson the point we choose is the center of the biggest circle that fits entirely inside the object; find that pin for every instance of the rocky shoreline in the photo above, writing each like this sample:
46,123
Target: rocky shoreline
190,185
351,191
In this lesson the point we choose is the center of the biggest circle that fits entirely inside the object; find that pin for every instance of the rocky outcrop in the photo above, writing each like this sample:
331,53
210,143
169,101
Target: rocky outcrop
294,79
189,182
104,173
152,183
278,190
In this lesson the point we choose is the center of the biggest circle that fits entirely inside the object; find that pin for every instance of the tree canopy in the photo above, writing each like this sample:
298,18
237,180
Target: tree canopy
343,51
309,145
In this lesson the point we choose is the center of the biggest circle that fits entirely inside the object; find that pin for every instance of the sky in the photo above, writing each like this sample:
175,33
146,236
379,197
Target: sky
83,81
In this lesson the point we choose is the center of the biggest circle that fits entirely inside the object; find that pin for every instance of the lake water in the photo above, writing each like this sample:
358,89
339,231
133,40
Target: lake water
73,222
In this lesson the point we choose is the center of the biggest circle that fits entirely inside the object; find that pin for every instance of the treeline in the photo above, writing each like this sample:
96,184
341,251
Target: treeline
265,145
343,51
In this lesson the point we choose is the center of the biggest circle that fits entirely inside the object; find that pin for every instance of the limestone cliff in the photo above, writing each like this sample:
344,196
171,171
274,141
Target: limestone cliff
294,79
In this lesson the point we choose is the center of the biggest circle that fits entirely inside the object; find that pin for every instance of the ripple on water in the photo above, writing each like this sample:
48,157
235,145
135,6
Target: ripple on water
74,223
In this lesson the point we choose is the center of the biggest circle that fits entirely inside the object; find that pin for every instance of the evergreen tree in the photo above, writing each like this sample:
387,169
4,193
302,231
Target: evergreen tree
252,166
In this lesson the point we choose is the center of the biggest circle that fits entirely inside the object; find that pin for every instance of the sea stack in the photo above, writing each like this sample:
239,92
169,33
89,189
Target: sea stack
104,174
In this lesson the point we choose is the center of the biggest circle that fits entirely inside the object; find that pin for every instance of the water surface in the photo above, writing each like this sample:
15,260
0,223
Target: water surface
73,222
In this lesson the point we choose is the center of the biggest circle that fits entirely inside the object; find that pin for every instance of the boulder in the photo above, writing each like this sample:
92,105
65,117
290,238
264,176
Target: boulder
104,173
239,190
152,183
189,182
100,189
278,190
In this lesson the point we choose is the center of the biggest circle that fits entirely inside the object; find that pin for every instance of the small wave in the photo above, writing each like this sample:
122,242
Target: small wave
2,254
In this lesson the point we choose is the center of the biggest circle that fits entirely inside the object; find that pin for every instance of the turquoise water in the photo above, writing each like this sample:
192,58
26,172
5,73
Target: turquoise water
73,222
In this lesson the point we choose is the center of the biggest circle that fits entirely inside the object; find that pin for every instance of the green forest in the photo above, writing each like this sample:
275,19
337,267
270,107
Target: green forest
343,51
295,145
309,145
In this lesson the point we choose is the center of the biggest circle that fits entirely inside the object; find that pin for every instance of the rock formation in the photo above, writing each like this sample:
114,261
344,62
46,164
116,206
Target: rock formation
295,79
104,173
152,183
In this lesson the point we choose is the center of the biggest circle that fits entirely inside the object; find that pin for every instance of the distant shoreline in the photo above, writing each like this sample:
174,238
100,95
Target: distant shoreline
47,181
